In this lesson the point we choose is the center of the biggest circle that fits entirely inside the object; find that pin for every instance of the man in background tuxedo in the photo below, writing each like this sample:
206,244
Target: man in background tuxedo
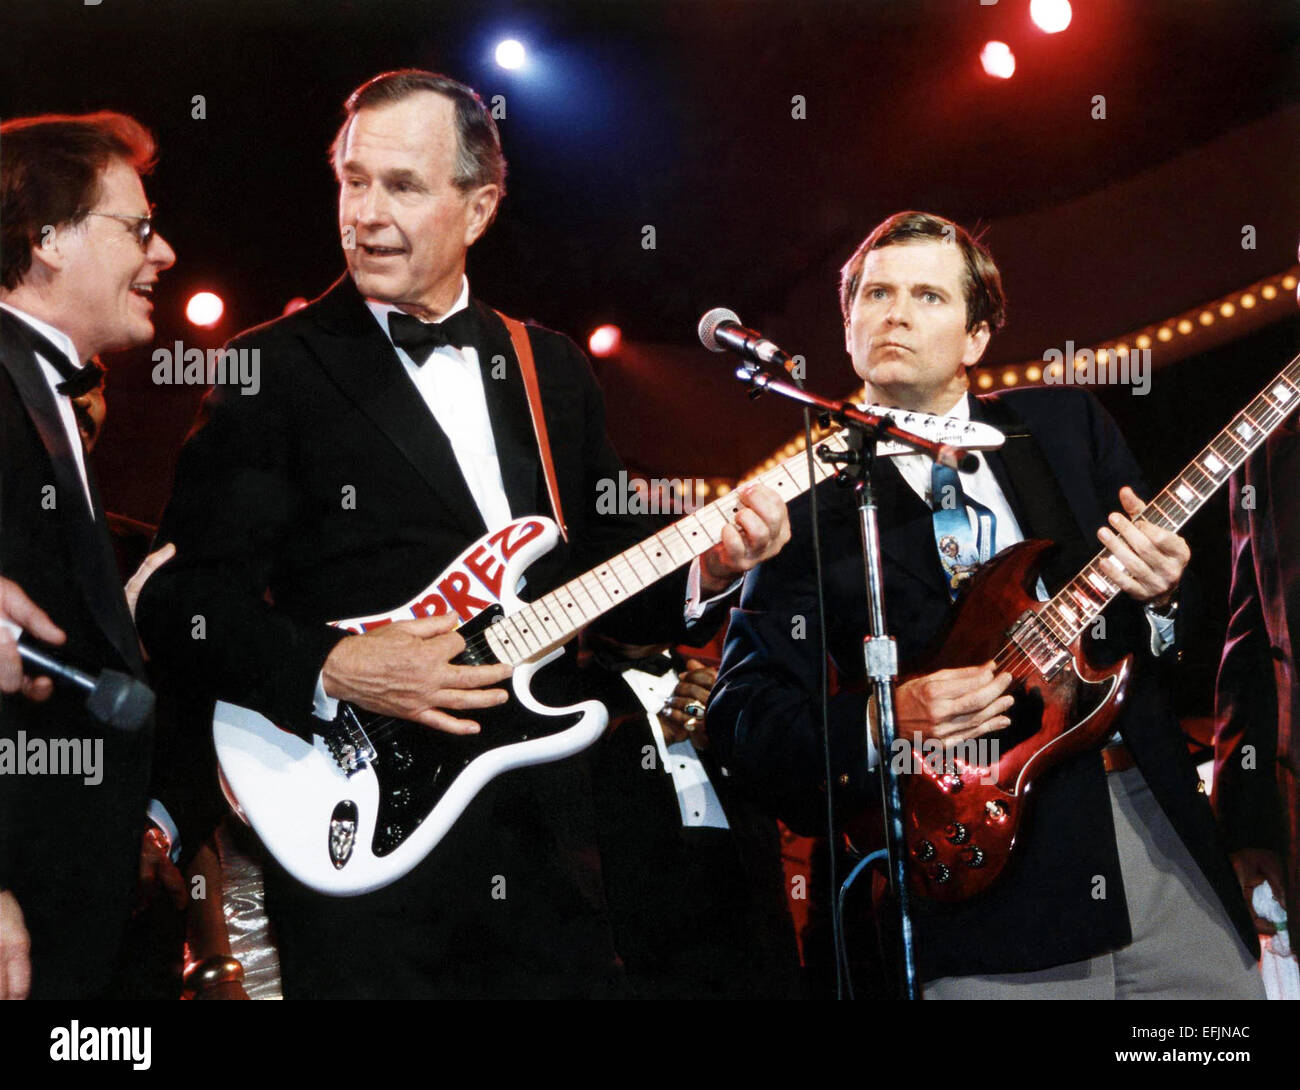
1257,740
390,431
80,260
1120,887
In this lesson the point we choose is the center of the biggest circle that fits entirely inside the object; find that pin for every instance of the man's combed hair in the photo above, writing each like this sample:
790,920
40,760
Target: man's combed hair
479,160
50,168
981,281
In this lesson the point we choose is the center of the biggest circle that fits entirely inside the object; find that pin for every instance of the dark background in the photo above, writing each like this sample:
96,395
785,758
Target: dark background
679,115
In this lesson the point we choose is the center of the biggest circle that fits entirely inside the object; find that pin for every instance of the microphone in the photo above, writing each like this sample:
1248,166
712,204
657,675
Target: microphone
720,330
116,699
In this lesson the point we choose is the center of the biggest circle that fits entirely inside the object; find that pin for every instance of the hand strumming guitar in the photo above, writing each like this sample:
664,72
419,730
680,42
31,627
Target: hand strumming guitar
405,669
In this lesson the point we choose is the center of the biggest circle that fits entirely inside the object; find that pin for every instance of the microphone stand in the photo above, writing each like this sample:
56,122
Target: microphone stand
879,649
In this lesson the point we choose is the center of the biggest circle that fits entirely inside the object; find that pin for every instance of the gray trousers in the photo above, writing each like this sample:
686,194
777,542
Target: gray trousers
1184,946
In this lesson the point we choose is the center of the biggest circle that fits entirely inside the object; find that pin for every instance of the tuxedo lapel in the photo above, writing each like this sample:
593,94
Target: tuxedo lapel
357,355
84,527
907,527
507,404
997,463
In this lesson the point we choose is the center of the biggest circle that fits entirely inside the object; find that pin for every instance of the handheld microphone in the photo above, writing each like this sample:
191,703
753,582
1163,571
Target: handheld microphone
116,699
720,330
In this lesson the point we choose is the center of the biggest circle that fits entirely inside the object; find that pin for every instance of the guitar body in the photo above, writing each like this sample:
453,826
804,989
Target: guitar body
961,815
363,802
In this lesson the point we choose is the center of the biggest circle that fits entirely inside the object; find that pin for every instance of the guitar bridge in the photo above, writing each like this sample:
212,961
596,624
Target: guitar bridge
1031,634
348,742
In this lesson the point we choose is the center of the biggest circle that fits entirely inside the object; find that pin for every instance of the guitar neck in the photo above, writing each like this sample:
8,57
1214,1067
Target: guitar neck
1081,600
555,618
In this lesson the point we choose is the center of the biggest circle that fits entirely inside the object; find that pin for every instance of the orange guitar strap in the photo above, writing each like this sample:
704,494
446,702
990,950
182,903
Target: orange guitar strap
524,351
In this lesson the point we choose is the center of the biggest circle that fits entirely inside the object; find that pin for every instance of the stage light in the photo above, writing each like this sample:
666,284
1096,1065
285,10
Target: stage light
204,309
1164,334
1184,326
1247,300
605,340
985,381
1033,374
511,54
1009,378
1050,16
1268,291
1227,310
296,303
1143,341
998,60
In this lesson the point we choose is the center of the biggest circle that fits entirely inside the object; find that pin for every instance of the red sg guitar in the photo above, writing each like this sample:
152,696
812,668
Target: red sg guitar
962,818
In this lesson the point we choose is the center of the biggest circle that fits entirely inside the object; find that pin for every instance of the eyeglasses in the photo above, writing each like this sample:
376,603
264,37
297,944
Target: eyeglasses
140,226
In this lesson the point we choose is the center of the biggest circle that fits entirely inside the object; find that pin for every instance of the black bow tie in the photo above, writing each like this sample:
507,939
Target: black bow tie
76,380
421,338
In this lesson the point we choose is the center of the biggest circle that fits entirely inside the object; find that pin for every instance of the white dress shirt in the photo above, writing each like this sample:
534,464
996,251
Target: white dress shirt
52,378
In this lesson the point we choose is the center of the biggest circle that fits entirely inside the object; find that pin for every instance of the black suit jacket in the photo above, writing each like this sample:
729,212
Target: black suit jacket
1257,735
68,849
763,724
268,551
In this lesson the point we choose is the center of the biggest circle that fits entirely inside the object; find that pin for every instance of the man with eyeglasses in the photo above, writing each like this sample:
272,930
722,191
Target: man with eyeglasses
80,260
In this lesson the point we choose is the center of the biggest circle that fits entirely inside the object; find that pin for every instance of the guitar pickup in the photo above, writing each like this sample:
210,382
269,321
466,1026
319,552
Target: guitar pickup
1043,649
348,742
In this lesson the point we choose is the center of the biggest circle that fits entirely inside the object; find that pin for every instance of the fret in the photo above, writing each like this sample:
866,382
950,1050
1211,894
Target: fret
1187,495
595,590
550,619
511,636
1185,512
659,560
675,546
624,575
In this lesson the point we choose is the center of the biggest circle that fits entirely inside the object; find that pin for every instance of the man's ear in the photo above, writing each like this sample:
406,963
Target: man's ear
482,206
976,341
47,250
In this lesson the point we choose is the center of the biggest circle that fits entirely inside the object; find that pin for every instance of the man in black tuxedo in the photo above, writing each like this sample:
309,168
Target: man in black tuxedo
379,446
80,260
1120,887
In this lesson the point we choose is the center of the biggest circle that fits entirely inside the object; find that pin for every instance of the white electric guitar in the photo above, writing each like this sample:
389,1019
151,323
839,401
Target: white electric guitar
370,796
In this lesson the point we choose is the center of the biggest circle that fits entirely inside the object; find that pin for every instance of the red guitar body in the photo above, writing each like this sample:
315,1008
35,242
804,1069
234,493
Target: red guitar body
962,816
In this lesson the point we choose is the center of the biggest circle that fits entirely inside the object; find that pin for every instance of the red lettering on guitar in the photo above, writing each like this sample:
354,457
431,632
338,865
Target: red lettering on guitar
524,534
455,588
431,605
484,565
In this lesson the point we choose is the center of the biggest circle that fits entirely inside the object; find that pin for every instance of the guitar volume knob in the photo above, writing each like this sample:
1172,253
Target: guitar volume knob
925,851
957,833
973,856
941,874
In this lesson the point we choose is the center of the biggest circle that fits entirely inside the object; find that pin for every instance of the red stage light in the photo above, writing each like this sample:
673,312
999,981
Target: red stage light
998,60
296,303
1050,16
605,340
204,309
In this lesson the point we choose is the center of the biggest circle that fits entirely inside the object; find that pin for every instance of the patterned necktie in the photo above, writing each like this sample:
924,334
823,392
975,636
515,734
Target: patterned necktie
419,339
960,550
